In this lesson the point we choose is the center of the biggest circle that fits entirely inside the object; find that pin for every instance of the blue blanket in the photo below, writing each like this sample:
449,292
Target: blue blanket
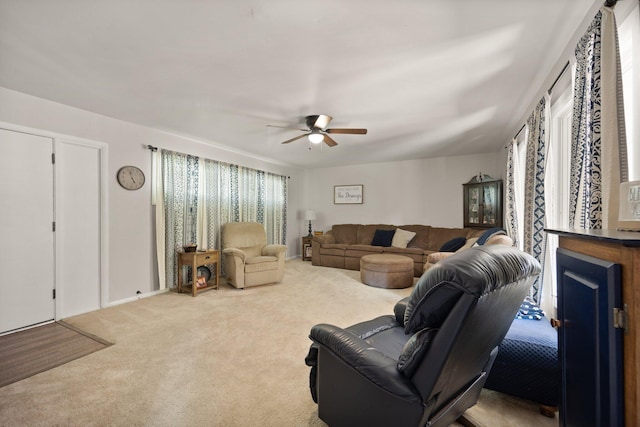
529,310
495,231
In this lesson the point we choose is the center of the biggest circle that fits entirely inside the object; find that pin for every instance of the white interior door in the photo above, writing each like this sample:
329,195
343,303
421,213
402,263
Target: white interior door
26,230
78,240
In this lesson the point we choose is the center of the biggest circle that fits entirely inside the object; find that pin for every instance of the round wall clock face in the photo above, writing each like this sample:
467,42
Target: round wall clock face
130,177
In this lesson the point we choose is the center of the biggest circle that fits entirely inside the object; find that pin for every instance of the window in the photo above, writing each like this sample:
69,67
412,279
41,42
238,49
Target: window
519,160
557,176
629,41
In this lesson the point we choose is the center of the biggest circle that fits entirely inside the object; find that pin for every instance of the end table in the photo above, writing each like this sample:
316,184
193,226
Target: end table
195,260
306,248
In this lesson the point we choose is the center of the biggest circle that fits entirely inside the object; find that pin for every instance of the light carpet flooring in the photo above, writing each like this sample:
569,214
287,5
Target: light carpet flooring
225,358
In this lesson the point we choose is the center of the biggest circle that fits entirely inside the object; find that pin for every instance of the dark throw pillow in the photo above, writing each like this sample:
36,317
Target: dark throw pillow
383,238
453,244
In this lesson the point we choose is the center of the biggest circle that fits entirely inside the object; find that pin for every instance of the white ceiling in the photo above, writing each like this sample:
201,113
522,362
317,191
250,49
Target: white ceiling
427,78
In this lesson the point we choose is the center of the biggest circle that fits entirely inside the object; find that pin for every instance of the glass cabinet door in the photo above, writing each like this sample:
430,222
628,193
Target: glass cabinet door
473,213
489,204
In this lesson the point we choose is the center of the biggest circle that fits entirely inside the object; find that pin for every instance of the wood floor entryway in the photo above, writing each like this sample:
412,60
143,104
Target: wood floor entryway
29,352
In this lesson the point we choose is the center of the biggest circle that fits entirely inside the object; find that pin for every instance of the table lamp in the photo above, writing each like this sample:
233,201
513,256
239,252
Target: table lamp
309,215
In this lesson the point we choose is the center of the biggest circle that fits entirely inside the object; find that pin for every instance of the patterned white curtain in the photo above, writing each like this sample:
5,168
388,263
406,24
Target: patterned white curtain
598,149
275,208
232,193
180,202
534,237
511,213
200,195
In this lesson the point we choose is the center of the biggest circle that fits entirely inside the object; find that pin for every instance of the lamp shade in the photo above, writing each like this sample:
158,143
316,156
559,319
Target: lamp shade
315,138
309,215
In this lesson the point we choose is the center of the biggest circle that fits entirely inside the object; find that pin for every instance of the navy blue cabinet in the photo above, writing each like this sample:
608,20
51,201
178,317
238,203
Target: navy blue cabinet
590,339
598,326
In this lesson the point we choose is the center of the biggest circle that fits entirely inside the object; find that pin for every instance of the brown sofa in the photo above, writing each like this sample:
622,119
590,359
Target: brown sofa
345,244
435,257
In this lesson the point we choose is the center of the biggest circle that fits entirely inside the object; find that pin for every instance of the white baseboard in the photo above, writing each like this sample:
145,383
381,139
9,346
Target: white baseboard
137,297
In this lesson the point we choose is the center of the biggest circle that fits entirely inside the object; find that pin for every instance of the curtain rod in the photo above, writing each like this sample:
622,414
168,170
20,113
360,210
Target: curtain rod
518,133
152,148
566,66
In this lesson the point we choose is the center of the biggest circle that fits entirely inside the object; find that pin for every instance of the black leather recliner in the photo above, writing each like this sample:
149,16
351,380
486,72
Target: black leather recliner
427,363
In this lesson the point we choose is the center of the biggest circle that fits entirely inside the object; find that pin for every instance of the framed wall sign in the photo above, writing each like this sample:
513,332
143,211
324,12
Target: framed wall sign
347,194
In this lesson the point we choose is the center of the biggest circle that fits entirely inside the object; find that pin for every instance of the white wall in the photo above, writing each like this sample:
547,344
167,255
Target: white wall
425,191
130,238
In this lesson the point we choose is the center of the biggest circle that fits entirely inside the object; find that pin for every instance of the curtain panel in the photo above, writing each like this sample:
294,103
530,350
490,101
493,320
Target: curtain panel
511,213
197,196
598,148
534,236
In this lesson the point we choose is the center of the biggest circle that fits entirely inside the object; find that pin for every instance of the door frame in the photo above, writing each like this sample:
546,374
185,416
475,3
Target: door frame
103,150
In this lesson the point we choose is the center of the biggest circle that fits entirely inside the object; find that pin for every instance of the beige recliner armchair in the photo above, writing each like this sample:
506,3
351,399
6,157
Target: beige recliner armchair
248,260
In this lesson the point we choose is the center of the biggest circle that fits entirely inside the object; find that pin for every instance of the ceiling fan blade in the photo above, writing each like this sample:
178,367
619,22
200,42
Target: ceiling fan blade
329,141
319,121
287,127
351,131
293,139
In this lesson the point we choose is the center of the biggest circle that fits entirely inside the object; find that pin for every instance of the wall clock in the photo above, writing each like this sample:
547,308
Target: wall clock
130,177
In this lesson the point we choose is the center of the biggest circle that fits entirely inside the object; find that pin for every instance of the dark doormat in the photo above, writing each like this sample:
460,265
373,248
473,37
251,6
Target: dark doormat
29,352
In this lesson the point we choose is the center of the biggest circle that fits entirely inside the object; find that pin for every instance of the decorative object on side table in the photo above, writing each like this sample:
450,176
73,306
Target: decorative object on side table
309,215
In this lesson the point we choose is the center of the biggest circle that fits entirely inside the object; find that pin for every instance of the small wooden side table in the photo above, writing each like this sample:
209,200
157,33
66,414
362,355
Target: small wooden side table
306,248
195,260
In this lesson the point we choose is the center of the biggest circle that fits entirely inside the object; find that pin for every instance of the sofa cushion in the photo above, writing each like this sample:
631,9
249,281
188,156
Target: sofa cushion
470,242
415,254
383,238
366,232
356,251
252,251
499,239
345,233
453,244
260,263
421,239
414,350
496,231
401,238
333,249
440,235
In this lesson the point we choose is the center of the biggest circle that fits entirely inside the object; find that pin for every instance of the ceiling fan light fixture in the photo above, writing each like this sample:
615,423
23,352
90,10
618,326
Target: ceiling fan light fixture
316,138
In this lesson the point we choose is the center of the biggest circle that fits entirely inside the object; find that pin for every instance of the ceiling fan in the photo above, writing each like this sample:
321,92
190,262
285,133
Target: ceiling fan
317,132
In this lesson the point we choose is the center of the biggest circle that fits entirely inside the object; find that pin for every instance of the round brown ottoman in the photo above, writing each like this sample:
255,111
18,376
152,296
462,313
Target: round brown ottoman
386,271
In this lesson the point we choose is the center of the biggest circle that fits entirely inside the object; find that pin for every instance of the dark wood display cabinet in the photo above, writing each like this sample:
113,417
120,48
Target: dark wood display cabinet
482,202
